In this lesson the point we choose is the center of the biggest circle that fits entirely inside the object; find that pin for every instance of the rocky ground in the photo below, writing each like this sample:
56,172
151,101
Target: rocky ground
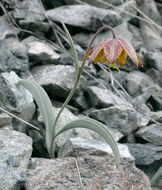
128,103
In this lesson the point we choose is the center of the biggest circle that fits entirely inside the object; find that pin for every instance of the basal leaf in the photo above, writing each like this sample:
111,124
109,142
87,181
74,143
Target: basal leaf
156,176
73,50
97,127
44,105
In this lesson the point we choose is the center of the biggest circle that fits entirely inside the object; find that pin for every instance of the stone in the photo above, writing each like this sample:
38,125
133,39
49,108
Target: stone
150,34
103,4
39,146
97,172
138,83
57,80
78,147
153,59
16,99
156,100
81,103
150,9
33,13
6,31
145,154
5,119
143,114
75,15
40,52
151,133
38,27
103,98
15,152
127,7
13,56
155,75
157,116
120,117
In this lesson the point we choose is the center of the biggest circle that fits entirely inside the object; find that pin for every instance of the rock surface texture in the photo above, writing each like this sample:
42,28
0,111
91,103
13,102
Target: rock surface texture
96,172
15,152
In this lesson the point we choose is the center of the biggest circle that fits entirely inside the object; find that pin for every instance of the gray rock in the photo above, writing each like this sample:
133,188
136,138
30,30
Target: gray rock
103,98
39,146
41,52
81,103
155,75
75,15
145,154
31,6
97,172
149,8
151,133
153,59
120,117
13,56
15,152
138,83
97,3
157,116
5,119
16,99
150,34
57,80
143,114
6,31
156,100
38,27
77,147
128,7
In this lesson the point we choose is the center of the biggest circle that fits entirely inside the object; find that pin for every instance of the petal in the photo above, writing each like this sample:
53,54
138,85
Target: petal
139,60
122,58
87,55
97,50
112,50
99,56
130,50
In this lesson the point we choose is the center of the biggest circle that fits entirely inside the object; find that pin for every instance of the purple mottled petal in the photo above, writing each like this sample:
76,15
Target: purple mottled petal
112,50
97,50
130,50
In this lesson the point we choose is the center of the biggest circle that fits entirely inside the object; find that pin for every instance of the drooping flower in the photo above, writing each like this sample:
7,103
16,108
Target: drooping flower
113,50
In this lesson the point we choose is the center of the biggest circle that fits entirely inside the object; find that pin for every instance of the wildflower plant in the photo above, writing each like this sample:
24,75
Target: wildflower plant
110,50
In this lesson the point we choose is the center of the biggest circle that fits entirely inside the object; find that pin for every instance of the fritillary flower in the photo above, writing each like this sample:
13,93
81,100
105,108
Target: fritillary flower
112,50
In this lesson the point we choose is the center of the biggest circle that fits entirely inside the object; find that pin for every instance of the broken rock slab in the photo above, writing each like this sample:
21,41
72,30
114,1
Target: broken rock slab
97,172
15,152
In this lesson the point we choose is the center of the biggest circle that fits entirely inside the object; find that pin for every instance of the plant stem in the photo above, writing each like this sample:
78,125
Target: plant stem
76,83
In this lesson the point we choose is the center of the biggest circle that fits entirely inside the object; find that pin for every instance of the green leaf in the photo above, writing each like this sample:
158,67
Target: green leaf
97,127
45,107
156,176
73,50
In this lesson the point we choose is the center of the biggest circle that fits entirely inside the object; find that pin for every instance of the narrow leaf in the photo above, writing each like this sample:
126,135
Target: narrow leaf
156,176
44,105
73,50
97,127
